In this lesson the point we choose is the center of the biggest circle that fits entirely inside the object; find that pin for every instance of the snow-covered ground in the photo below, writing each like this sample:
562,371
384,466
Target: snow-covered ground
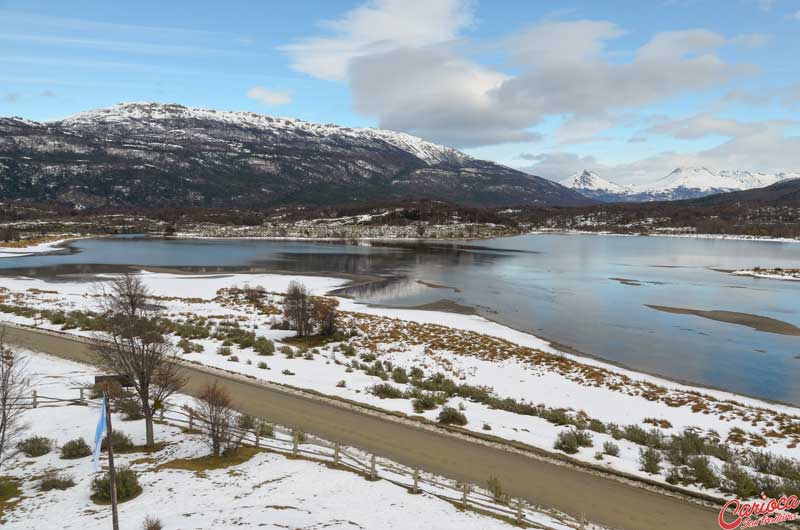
268,491
467,348
770,274
34,248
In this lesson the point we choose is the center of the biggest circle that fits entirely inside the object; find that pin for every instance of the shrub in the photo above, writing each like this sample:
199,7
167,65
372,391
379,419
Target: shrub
451,416
399,375
703,472
341,384
54,480
487,427
739,482
233,359
650,460
610,448
287,372
35,446
496,489
658,422
265,429
287,350
246,422
263,365
652,438
127,483
424,401
120,441
348,350
416,373
224,350
597,426
386,391
77,448
130,408
569,441
264,346
151,523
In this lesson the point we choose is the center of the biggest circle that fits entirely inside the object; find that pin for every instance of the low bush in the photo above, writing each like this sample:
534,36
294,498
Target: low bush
424,401
54,480
650,460
386,391
152,523
77,448
399,375
610,448
739,482
130,408
35,446
341,384
451,416
127,483
570,441
263,365
119,440
264,346
225,351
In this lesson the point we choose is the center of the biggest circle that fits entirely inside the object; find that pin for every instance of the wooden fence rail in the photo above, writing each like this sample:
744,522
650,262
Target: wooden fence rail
295,444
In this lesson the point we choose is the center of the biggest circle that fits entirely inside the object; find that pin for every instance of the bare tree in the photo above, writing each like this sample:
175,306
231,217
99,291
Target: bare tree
216,417
324,314
133,345
14,387
297,308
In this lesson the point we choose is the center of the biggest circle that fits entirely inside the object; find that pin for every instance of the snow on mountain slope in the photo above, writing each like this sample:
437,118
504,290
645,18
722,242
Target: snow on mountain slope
682,183
587,180
165,155
156,115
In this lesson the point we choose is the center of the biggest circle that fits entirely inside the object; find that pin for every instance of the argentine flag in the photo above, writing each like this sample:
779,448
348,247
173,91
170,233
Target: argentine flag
98,435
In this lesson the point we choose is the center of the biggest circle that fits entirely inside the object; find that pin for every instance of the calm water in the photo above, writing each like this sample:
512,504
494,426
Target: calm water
561,287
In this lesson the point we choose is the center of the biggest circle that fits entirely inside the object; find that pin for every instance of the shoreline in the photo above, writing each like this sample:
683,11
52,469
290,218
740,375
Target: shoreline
725,237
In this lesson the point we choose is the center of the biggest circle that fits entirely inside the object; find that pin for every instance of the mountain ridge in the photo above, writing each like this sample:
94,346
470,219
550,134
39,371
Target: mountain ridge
159,154
683,183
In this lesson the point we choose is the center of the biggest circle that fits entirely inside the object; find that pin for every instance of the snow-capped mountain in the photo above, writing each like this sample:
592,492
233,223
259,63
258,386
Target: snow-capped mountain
165,155
593,186
682,183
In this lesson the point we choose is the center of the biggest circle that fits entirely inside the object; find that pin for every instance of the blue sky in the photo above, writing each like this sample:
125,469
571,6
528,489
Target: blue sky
629,89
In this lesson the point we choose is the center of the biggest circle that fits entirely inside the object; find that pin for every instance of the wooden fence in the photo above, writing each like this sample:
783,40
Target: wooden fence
296,444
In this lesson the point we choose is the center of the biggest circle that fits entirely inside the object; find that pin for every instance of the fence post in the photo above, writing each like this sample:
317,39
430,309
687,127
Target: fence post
295,443
464,493
35,399
373,474
336,455
258,438
191,421
520,517
416,481
81,390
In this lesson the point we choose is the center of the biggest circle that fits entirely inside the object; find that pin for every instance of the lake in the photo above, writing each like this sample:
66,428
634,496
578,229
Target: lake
587,292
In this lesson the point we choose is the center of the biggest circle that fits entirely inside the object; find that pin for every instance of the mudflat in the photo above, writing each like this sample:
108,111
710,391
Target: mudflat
757,322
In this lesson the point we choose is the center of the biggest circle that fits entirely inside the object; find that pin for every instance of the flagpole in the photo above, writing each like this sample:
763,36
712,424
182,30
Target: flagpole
112,473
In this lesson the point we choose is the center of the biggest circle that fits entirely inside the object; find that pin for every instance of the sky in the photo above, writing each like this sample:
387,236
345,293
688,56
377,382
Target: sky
628,89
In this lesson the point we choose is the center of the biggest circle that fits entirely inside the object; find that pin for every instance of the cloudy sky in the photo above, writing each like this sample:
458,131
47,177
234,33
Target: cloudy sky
629,89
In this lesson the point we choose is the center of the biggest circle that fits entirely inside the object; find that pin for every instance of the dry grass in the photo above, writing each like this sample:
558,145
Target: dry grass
207,463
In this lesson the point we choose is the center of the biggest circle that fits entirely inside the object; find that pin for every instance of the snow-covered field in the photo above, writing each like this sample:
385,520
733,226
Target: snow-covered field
33,248
468,349
267,491
770,274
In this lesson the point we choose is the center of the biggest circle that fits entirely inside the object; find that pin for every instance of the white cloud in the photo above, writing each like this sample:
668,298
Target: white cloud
702,125
407,68
376,27
761,146
268,96
794,16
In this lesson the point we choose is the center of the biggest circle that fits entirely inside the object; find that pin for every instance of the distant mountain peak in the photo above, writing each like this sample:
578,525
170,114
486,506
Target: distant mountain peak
687,182
588,182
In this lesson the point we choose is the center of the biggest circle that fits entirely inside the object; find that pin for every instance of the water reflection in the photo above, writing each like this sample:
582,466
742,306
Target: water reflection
560,287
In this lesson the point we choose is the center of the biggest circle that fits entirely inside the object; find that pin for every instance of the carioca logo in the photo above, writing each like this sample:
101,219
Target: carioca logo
757,513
